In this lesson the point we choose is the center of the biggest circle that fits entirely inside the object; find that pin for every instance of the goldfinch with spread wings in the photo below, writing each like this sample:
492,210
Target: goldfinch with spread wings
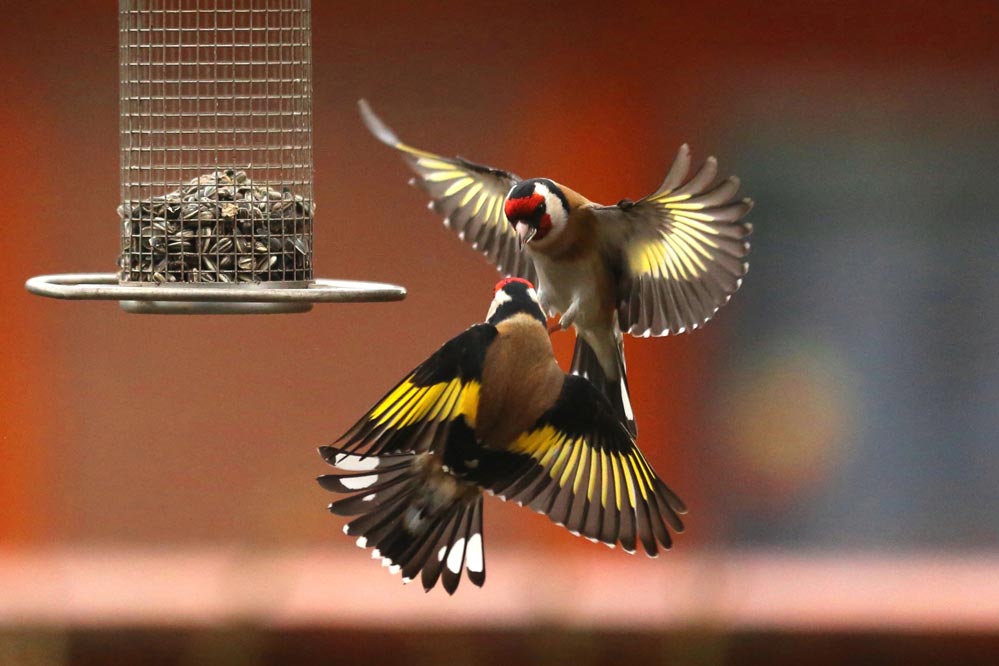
659,266
492,411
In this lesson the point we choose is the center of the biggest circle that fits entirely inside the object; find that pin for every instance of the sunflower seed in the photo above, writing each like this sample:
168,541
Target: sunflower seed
217,227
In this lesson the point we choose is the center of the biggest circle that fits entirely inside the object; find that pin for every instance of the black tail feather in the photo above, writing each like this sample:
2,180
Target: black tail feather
586,364
407,517
436,558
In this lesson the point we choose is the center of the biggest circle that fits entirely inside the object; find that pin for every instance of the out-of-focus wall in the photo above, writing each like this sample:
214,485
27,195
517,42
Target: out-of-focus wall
846,393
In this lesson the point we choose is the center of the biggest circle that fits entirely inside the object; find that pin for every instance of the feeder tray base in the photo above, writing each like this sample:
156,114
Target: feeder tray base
171,298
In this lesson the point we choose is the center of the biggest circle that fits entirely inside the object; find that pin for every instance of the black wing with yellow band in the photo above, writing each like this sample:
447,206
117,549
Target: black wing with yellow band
581,468
470,197
418,413
682,249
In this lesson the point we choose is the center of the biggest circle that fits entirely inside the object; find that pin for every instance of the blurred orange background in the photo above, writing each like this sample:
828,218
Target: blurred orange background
844,399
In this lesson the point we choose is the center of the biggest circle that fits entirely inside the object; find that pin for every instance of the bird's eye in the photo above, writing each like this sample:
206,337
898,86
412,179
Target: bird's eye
540,208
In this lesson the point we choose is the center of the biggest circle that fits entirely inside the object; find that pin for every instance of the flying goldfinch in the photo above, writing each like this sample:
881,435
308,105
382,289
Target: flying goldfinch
492,411
659,266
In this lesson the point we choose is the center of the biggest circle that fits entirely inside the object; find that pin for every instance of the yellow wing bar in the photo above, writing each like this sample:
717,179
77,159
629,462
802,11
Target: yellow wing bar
571,462
410,403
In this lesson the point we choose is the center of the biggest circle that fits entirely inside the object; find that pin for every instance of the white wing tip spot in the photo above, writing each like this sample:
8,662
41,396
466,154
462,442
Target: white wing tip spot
473,555
362,542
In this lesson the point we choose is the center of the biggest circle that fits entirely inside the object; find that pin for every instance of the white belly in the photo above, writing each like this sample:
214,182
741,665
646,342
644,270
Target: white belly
563,282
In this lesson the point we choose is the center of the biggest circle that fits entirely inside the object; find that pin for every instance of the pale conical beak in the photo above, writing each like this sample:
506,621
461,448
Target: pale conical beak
526,232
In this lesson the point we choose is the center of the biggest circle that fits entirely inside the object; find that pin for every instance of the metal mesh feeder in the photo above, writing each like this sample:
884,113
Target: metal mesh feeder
217,208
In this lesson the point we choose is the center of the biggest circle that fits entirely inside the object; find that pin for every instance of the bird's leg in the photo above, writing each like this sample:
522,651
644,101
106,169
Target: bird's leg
548,310
569,316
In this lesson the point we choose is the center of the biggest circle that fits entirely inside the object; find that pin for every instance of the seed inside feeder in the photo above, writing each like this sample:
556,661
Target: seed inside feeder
219,227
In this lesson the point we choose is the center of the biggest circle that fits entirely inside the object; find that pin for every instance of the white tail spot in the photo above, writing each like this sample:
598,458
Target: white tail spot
358,482
440,553
352,463
456,555
473,556
368,498
626,402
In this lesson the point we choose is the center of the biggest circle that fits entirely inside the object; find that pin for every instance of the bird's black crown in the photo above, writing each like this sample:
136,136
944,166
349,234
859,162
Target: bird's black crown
515,296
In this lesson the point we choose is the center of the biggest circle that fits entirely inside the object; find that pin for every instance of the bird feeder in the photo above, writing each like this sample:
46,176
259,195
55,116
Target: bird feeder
217,212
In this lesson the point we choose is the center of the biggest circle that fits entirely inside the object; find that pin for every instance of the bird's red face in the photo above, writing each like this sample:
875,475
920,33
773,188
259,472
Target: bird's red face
505,282
536,208
529,216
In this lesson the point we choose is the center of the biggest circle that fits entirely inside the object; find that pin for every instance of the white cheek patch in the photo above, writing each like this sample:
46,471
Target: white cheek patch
553,205
533,296
473,554
499,299
358,482
352,463
456,555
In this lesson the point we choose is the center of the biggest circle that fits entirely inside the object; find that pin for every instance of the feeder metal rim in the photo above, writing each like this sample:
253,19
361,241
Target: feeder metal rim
105,287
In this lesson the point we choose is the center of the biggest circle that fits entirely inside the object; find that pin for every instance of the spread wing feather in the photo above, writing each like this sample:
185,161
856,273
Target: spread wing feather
470,196
417,414
682,249
581,468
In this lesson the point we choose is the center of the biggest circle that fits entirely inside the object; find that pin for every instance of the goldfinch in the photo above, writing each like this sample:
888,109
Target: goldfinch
659,266
492,411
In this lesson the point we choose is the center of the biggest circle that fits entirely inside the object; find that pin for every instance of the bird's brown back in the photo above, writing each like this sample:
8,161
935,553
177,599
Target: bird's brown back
520,381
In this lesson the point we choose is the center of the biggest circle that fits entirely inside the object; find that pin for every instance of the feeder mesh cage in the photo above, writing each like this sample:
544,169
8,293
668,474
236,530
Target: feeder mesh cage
216,141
